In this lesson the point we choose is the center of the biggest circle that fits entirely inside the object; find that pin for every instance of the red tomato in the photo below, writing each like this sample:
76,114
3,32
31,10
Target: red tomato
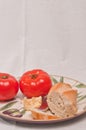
8,86
35,83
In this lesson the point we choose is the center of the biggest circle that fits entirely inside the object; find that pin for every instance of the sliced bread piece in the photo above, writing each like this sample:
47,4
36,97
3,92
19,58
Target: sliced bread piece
62,101
40,115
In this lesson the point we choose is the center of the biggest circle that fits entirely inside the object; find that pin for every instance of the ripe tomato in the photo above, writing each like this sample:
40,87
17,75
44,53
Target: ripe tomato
35,83
8,87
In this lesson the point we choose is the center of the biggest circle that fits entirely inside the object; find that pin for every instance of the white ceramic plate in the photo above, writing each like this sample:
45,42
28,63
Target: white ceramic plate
13,110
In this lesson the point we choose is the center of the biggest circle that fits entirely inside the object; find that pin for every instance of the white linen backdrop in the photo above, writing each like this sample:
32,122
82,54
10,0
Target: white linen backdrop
45,34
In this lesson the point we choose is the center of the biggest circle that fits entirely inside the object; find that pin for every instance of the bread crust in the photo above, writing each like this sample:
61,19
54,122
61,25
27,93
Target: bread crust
60,87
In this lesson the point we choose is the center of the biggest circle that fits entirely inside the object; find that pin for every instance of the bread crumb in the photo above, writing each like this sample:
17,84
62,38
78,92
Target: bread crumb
34,102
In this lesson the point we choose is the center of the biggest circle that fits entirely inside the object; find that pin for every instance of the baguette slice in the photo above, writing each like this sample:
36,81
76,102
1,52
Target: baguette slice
40,115
62,100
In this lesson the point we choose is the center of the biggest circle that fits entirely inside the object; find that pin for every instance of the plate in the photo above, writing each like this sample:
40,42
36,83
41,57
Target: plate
14,110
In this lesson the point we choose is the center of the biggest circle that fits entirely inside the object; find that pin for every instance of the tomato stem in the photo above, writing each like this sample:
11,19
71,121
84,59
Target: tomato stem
4,77
34,76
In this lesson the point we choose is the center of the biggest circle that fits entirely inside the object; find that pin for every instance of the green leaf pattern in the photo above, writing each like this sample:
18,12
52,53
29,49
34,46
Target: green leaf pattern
62,79
81,85
8,105
54,80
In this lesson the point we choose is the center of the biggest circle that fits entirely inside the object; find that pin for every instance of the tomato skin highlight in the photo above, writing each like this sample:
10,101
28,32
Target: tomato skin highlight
8,87
35,83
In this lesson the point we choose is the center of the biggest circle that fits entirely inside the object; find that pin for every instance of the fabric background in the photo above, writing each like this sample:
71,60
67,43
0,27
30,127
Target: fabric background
46,34
56,36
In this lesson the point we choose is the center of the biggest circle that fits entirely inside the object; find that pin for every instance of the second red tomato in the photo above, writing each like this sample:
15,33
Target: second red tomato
35,83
